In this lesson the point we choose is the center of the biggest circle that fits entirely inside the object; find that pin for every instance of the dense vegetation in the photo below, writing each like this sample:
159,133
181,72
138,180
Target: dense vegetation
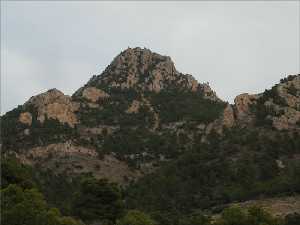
237,167
174,105
21,200
28,207
22,203
112,110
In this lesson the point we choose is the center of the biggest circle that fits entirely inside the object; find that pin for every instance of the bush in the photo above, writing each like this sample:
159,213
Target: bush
135,217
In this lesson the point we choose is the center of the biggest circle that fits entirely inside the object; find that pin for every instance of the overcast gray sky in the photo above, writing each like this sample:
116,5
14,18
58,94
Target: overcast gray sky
236,46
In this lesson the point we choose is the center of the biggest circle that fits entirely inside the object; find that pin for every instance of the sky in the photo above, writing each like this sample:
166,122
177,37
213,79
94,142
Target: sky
238,47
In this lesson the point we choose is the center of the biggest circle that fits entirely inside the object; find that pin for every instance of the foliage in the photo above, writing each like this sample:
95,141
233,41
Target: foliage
236,167
131,141
28,207
196,219
13,172
135,217
10,127
262,111
113,110
174,105
292,219
98,200
251,216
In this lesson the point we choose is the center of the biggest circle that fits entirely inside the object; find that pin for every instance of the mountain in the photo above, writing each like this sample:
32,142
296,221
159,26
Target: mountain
118,118
170,142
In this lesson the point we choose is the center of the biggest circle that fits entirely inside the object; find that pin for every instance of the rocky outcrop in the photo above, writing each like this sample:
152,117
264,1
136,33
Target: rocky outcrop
242,105
290,91
26,118
55,105
288,120
143,70
134,107
287,114
71,159
208,93
93,94
226,120
87,132
281,103
278,206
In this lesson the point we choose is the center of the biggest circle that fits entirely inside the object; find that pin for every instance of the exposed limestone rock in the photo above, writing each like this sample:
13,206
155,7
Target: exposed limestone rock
26,118
157,83
201,126
72,159
143,70
278,206
286,115
93,105
54,104
60,149
228,117
192,83
284,110
134,107
27,132
288,120
208,93
115,170
102,129
155,114
130,82
280,164
226,120
94,94
242,106
284,90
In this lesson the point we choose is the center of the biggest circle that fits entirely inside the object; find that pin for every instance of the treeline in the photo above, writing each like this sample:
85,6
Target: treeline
101,202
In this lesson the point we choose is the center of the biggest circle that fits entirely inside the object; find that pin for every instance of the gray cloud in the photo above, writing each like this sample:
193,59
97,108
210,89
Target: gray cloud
236,46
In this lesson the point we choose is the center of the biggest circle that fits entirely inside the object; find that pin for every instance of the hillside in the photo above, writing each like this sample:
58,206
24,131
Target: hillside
170,143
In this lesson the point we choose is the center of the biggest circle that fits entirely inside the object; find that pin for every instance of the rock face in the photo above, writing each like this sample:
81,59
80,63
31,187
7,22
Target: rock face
279,105
70,159
25,118
134,107
55,105
144,70
93,94
228,119
208,92
242,106
288,114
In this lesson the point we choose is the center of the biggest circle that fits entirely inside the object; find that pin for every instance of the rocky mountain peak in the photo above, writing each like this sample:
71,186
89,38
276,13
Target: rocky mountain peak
53,104
144,70
142,60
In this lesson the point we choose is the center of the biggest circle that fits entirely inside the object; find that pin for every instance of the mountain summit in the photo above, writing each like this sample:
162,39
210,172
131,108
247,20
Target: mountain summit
144,70
168,140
